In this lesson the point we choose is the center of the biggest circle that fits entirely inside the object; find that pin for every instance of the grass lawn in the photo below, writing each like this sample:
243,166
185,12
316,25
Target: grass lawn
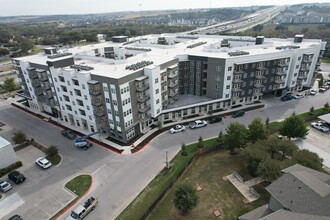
80,184
208,171
54,159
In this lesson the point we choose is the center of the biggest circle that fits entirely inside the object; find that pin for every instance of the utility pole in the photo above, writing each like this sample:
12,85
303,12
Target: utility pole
167,165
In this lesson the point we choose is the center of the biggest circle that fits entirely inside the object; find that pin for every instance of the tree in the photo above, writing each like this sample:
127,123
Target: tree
200,143
9,85
52,151
308,159
286,148
183,150
257,130
185,198
220,138
19,137
235,137
270,169
253,156
294,126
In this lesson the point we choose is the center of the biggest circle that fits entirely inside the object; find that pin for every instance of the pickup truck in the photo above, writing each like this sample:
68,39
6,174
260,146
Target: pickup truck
82,210
197,124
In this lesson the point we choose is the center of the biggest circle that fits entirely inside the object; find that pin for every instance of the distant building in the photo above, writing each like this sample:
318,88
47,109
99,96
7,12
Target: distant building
7,153
127,86
299,194
101,38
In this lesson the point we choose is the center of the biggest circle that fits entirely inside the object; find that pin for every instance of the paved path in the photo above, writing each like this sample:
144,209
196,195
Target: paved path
245,187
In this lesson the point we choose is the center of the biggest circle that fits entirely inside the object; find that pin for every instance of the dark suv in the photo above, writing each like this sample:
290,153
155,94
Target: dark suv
16,177
69,134
238,114
215,119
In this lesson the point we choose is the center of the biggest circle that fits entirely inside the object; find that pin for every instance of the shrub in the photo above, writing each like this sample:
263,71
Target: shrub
19,137
10,168
52,151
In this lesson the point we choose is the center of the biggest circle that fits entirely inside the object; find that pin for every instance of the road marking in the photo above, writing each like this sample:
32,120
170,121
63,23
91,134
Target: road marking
97,170
44,210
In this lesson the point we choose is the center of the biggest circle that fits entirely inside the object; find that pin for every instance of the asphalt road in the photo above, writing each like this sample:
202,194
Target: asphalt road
118,179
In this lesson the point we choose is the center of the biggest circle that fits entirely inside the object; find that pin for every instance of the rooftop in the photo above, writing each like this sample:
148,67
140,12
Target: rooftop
206,45
3,142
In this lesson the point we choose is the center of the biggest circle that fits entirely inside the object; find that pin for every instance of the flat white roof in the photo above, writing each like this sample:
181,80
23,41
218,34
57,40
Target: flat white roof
160,54
3,142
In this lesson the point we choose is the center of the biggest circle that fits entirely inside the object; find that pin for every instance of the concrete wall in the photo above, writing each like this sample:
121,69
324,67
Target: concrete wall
7,153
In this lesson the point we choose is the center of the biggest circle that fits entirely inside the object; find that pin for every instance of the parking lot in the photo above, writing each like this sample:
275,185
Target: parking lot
318,142
41,196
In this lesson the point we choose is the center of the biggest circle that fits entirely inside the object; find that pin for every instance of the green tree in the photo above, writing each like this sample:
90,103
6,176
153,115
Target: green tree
253,156
308,159
200,143
9,84
294,126
52,151
183,150
286,148
19,137
270,169
185,198
257,130
235,137
220,138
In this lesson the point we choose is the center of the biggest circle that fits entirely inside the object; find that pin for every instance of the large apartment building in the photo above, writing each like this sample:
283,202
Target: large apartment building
125,86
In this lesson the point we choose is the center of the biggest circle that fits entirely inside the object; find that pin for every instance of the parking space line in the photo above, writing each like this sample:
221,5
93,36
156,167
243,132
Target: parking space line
44,210
98,169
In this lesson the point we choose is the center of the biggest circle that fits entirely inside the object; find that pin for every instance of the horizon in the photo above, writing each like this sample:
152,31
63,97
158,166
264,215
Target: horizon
11,8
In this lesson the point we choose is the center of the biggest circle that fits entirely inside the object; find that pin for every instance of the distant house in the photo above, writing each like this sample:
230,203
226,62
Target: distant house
300,193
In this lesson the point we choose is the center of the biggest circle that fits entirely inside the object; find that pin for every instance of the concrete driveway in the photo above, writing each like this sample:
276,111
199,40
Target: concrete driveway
318,142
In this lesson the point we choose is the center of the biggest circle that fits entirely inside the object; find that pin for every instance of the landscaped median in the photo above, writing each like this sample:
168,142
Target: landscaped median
79,186
144,202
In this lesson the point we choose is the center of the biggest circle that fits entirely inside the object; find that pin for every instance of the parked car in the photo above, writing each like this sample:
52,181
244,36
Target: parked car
5,186
43,163
197,124
177,128
15,217
215,119
238,114
319,126
69,134
299,96
16,177
313,92
287,97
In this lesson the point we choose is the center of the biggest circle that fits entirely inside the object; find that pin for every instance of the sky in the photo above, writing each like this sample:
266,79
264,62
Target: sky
48,7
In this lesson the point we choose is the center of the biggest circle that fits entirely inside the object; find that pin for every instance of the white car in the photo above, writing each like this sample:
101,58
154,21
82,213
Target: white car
4,186
177,128
320,126
197,124
298,96
43,163
313,92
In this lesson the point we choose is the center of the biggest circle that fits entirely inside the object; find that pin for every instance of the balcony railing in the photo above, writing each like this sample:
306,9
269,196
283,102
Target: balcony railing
304,68
258,85
279,81
141,88
172,75
143,98
302,76
94,92
282,64
144,109
96,102
238,71
236,89
259,76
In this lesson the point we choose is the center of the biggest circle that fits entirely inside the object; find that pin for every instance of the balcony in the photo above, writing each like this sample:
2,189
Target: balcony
279,81
144,117
276,87
172,94
144,109
173,84
43,78
304,68
240,71
235,98
307,60
98,111
279,72
261,67
236,89
259,76
173,75
143,98
38,92
282,64
96,101
141,88
46,86
237,80
35,83
40,98
256,92
258,85
33,74
48,95
302,76
94,92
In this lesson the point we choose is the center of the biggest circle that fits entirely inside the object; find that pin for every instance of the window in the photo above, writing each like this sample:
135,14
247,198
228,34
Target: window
77,92
66,98
245,75
114,102
80,103
157,101
157,91
156,80
68,82
85,96
107,100
61,78
295,74
158,111
109,111
217,86
230,68
218,68
198,66
73,103
299,58
121,91
75,82
87,107
60,98
227,95
228,77
68,107
297,66
58,89
71,93
64,89
252,74
82,112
